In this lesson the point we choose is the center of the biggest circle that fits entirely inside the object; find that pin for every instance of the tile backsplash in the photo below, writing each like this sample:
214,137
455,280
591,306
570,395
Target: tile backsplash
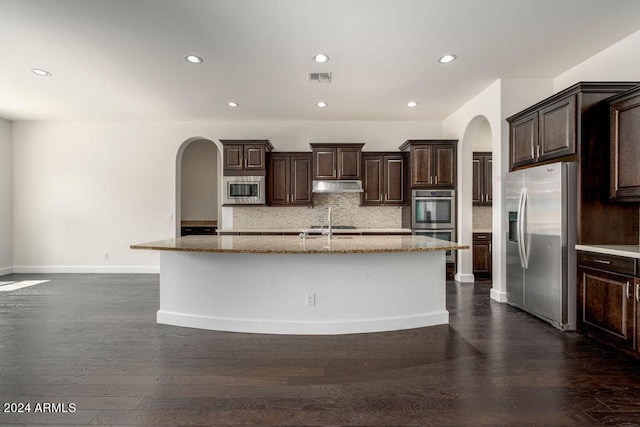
482,218
346,210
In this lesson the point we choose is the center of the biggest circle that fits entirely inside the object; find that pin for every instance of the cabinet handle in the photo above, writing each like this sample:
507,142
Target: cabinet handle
638,292
436,179
532,153
430,180
602,261
481,237
538,152
628,293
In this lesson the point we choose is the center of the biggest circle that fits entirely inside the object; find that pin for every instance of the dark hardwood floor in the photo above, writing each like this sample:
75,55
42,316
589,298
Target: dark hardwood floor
92,341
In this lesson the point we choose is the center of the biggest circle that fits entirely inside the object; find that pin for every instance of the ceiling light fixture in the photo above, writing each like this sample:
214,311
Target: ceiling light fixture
320,58
445,59
232,104
411,104
194,59
40,72
321,104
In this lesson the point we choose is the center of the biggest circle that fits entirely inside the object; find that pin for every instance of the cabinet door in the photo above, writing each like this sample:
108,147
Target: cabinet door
372,180
488,180
300,186
625,149
444,165
606,305
324,163
233,157
523,140
279,180
482,257
254,157
422,166
348,162
478,180
394,180
557,129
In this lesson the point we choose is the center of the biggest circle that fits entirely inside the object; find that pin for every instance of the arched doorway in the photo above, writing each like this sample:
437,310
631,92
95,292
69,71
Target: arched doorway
478,137
198,182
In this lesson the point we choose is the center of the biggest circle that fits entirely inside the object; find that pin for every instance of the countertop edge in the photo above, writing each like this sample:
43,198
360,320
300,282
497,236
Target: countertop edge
629,251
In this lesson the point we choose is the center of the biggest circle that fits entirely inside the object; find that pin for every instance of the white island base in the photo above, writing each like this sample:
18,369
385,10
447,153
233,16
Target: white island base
303,294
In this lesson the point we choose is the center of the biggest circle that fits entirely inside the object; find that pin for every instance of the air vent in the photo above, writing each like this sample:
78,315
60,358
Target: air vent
319,77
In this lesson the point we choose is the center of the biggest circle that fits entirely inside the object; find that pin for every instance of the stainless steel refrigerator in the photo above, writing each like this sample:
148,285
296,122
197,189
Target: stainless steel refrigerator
541,257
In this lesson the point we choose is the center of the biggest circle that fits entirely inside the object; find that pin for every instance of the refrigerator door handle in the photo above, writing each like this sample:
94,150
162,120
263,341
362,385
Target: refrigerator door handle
522,218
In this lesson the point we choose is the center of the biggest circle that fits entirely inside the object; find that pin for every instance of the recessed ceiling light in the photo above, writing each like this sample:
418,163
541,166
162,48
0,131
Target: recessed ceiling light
320,58
40,72
321,104
193,59
411,104
449,57
232,104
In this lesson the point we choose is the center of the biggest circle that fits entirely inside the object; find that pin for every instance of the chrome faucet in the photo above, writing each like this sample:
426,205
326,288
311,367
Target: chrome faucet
329,232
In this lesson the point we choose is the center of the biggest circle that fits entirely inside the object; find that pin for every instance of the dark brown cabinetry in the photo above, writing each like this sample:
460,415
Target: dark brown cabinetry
245,157
336,161
608,299
554,128
548,132
482,255
625,146
289,179
384,179
482,192
433,163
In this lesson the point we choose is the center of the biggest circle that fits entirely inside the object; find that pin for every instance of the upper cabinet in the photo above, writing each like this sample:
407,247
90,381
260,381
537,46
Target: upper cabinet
625,146
289,179
433,163
245,157
337,161
384,179
482,191
551,130
548,132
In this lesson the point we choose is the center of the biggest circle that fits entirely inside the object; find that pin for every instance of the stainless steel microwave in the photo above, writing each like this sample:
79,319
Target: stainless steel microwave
244,190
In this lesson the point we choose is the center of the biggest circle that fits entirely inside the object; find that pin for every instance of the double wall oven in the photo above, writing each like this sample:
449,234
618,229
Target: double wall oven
433,214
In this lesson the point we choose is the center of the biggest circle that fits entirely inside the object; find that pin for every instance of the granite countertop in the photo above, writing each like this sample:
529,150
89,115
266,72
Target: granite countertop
482,230
630,251
316,230
296,245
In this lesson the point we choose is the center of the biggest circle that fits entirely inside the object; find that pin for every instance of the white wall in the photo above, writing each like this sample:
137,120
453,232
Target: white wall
6,205
199,184
85,188
619,62
483,141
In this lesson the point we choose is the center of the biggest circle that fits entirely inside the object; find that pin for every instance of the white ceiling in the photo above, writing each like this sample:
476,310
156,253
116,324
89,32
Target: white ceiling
124,59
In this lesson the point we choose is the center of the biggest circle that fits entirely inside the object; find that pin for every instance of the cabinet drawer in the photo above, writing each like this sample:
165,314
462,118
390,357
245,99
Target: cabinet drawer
482,237
612,263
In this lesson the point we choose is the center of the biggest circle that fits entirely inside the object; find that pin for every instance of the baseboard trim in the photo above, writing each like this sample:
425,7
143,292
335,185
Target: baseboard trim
497,295
87,269
464,278
6,270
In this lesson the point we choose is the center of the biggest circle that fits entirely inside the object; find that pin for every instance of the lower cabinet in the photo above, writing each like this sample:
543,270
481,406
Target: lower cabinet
196,230
608,299
482,255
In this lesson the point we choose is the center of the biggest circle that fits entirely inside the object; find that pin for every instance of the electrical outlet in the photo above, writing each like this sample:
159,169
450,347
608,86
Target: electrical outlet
105,255
310,298
170,217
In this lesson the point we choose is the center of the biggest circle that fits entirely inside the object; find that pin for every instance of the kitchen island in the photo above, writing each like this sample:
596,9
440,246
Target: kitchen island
294,285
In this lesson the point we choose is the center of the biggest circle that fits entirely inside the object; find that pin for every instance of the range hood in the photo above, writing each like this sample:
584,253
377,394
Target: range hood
339,186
